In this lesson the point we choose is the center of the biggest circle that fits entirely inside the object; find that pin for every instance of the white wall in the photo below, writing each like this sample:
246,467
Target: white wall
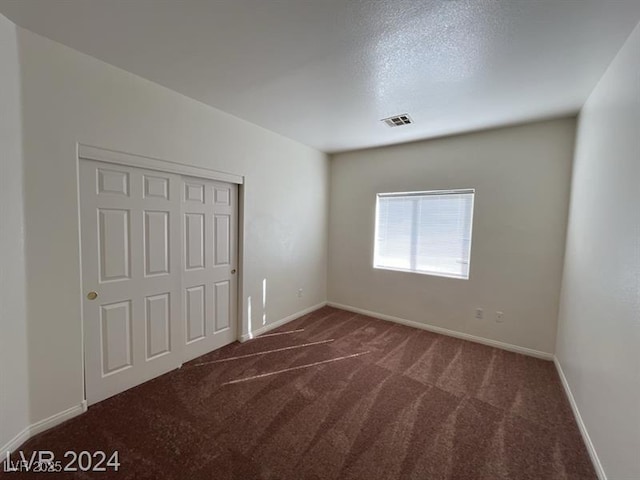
70,97
521,176
598,344
14,399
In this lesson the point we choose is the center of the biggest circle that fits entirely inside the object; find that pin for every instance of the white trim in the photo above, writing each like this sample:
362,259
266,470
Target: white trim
41,426
444,331
122,158
14,443
426,193
81,284
58,418
279,323
583,428
241,319
414,269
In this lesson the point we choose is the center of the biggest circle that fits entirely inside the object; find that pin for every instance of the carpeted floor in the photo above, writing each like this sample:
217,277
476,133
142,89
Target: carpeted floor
338,396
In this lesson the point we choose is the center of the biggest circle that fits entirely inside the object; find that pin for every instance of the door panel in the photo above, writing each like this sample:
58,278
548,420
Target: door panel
160,251
222,300
156,243
193,192
195,313
156,187
116,337
158,327
130,227
210,252
115,243
194,241
113,181
222,239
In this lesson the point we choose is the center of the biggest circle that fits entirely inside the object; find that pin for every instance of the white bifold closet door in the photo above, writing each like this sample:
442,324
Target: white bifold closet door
158,268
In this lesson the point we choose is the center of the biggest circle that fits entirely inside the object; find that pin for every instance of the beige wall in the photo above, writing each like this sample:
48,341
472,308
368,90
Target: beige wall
521,176
598,343
70,97
14,399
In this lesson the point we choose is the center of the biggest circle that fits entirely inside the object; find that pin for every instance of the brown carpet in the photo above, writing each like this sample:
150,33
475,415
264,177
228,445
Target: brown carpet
340,396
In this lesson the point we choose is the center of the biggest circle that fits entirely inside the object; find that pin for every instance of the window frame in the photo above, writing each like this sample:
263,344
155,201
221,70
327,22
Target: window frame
422,193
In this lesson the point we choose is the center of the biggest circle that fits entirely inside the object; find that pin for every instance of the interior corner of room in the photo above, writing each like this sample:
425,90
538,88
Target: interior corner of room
270,227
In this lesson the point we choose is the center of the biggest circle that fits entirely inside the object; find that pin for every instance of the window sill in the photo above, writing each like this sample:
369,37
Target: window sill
423,272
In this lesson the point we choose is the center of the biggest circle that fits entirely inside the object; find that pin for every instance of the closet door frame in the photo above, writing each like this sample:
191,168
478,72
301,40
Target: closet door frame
87,152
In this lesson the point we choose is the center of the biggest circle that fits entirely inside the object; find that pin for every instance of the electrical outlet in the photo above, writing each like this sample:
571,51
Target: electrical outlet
299,293
499,317
479,313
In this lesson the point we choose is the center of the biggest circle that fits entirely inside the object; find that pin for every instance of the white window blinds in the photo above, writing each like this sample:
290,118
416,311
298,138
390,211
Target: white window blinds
424,232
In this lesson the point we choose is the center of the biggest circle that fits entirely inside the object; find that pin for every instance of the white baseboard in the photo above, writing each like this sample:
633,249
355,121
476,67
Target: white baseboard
278,323
41,426
583,428
444,331
15,442
58,418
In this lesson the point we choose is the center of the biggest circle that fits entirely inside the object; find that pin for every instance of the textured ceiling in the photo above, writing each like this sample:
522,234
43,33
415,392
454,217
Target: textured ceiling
324,72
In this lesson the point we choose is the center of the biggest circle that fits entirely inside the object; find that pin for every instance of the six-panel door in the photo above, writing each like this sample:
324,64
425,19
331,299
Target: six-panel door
159,269
209,266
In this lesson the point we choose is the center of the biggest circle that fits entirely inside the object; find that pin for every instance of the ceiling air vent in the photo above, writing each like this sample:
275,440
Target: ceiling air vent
398,120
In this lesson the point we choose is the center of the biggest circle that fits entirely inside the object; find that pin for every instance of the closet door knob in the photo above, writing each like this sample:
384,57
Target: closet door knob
92,295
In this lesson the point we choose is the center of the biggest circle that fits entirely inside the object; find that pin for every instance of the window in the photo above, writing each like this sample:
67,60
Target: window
424,232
